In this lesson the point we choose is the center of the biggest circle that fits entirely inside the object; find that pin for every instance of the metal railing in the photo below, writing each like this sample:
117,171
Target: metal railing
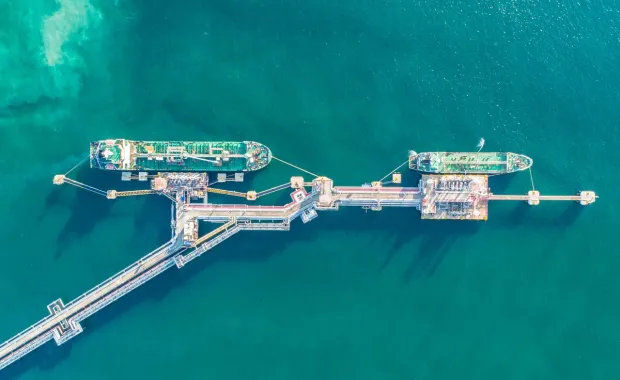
124,289
210,244
37,328
273,190
280,226
163,248
25,349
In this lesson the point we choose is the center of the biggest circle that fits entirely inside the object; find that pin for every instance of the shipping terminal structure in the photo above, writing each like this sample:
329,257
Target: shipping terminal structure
450,193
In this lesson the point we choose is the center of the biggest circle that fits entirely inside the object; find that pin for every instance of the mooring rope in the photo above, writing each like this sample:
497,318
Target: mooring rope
398,167
291,165
78,164
532,178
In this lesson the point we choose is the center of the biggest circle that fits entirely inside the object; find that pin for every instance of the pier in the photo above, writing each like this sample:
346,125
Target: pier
451,196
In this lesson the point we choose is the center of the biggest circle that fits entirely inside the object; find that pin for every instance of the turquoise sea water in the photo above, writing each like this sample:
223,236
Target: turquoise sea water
343,89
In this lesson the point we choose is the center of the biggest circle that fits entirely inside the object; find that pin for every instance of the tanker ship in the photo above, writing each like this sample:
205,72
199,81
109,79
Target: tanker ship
489,163
178,156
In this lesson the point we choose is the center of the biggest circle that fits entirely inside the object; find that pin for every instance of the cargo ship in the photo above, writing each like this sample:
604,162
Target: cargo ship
490,163
178,156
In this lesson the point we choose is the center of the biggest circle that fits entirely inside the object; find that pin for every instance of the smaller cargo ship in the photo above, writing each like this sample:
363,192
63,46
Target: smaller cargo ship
178,156
490,163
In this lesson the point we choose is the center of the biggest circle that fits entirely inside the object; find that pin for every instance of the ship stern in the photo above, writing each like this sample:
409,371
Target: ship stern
107,154
94,155
413,160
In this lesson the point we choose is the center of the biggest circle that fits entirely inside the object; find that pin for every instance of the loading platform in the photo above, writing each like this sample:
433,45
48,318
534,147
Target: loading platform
436,197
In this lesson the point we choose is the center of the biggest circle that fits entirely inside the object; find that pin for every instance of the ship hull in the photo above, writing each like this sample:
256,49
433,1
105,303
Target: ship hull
178,156
489,163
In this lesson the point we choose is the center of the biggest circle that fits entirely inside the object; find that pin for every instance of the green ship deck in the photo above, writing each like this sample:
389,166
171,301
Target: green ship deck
178,156
469,162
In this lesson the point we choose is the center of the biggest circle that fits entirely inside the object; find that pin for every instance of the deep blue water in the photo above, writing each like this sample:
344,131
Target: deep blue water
343,89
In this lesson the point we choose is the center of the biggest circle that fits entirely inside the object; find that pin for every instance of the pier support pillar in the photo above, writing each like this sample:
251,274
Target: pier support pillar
59,179
325,187
67,328
111,194
308,214
179,260
587,197
533,197
297,182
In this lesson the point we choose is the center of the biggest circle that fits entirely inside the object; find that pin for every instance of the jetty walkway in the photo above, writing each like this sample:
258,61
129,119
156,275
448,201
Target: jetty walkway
63,322
435,197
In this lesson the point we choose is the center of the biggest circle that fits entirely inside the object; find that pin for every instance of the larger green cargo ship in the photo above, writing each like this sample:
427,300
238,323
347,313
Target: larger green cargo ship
178,156
490,163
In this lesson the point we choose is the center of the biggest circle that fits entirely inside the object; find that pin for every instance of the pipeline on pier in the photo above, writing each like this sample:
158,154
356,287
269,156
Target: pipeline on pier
436,196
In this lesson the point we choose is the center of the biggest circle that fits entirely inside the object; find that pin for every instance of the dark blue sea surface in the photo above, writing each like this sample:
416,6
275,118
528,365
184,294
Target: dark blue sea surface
343,89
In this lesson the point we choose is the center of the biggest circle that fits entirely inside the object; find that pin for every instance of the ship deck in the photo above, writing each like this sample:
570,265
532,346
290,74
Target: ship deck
179,156
468,162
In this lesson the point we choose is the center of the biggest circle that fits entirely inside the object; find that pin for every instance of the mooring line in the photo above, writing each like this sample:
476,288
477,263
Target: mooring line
296,167
398,167
78,164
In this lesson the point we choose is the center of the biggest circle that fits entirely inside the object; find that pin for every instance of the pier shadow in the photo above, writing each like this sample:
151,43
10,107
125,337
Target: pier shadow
547,215
87,208
437,239
48,356
399,226
396,228
44,358
153,214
